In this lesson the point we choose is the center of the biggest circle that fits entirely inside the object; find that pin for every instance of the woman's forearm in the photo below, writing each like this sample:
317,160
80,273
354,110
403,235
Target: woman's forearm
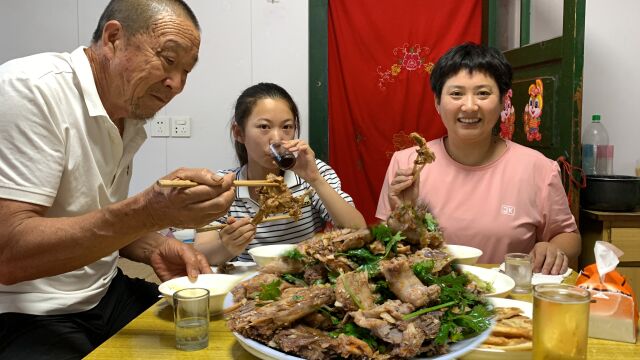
342,213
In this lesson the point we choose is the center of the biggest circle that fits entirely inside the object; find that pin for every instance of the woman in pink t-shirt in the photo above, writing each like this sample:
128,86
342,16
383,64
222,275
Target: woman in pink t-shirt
485,191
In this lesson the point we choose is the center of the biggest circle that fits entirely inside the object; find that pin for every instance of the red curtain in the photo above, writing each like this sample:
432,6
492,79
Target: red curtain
380,54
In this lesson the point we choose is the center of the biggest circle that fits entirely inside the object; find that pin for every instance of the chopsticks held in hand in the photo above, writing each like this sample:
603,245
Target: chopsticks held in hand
221,226
189,183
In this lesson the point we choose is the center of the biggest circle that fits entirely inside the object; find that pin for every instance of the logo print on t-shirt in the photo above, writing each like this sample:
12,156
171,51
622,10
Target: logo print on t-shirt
508,210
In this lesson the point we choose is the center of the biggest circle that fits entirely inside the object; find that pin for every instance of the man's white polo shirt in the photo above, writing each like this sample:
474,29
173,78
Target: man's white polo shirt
58,148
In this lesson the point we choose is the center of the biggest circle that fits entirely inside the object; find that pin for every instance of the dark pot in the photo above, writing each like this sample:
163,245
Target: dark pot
611,193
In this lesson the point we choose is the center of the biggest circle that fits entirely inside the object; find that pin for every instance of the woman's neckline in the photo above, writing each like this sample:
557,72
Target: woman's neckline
493,152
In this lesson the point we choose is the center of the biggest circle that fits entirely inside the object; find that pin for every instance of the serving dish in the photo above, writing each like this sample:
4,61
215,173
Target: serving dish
267,353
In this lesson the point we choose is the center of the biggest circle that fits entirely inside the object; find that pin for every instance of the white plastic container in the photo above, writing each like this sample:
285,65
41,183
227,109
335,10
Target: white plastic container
597,154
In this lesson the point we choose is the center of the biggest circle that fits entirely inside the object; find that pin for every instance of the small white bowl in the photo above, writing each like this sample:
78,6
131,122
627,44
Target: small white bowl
185,235
263,255
501,283
464,254
217,284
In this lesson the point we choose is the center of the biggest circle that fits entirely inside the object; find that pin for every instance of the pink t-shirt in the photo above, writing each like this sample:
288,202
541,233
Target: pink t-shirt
505,206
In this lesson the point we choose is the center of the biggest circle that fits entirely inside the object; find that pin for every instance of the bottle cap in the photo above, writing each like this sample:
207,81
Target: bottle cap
595,117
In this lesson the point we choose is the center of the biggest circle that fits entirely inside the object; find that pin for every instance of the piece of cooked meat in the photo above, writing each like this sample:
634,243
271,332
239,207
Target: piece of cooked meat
425,155
353,292
405,285
294,304
314,273
279,199
248,289
324,247
314,344
283,265
410,221
385,322
382,319
225,268
440,258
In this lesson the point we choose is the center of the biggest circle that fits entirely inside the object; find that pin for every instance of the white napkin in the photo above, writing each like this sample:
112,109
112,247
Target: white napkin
539,278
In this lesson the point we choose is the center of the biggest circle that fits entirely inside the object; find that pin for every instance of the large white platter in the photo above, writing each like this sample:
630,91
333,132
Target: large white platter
266,353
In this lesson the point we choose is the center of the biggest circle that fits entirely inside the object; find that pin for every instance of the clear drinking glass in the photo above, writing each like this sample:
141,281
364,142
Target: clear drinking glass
284,158
191,315
560,321
638,167
518,267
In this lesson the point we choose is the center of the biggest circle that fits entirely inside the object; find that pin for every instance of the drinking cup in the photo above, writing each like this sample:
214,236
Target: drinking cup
191,315
284,158
560,322
518,266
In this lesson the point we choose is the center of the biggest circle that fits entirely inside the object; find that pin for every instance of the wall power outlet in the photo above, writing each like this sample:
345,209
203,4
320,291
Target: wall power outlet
180,126
160,126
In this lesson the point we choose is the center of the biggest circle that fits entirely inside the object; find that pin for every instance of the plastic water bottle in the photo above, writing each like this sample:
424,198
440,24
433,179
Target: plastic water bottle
597,154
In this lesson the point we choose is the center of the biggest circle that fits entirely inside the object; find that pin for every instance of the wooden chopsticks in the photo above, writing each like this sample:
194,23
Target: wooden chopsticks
189,183
221,226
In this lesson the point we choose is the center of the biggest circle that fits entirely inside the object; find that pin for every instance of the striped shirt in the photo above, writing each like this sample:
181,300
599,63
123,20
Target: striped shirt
313,218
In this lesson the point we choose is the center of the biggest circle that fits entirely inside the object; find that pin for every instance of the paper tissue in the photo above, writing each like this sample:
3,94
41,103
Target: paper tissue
613,313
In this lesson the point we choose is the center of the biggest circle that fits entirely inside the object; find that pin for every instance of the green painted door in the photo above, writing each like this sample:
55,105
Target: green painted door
557,64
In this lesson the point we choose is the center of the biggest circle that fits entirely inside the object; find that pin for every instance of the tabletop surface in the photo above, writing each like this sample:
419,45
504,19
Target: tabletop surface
152,335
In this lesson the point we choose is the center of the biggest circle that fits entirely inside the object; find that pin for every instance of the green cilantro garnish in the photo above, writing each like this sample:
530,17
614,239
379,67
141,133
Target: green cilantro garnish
270,291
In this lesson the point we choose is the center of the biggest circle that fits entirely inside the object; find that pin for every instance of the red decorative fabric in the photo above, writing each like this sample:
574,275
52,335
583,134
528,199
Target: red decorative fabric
380,55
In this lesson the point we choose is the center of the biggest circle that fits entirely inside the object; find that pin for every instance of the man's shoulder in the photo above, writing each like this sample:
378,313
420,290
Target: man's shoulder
36,67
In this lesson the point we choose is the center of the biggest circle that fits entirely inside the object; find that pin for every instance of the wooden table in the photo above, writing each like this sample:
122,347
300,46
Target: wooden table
152,336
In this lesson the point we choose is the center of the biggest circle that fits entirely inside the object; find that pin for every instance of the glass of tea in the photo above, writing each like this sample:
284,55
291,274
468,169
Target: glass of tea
560,321
284,158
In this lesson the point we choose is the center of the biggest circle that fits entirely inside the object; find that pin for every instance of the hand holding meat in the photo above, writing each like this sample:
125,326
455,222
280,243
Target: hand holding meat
404,188
175,258
189,207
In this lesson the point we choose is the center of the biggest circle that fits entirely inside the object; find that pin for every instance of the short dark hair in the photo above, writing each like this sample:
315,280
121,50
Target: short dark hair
136,16
246,103
472,57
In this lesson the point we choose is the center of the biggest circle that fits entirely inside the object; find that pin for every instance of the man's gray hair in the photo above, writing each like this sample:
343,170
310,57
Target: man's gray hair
136,16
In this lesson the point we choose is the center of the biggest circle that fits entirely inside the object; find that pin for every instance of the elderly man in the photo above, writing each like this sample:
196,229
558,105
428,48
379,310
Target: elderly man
70,124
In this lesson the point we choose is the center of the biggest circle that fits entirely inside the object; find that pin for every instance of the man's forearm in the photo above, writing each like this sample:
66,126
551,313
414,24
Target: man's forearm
33,246
140,250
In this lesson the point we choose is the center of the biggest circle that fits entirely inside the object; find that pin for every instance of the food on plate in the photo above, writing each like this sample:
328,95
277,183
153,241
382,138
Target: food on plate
371,293
226,268
279,199
513,330
425,155
485,286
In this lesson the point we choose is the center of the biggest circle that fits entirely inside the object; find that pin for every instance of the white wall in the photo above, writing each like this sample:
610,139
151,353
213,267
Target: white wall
612,76
243,42
246,41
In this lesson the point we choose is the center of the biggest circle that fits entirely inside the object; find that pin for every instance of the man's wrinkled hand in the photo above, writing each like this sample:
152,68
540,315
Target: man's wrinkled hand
193,206
175,259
